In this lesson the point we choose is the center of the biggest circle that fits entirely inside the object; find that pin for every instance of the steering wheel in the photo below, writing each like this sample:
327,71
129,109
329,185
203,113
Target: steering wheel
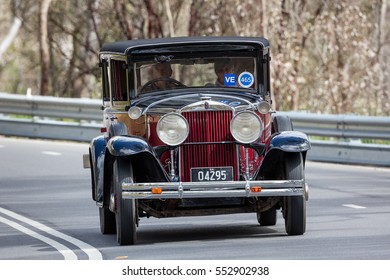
169,83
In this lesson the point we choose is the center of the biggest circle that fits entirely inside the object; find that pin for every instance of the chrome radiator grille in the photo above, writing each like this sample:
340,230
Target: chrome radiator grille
209,143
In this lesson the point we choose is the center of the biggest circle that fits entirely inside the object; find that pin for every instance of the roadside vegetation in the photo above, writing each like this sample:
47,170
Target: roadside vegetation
328,56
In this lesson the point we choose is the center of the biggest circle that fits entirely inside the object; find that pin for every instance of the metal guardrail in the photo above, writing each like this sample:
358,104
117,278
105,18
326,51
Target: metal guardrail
80,120
342,126
50,117
51,107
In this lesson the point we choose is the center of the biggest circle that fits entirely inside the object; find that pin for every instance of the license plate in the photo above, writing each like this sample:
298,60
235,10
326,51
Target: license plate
212,174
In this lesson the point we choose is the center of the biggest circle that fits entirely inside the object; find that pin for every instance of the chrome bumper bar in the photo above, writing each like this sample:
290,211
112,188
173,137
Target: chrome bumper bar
213,189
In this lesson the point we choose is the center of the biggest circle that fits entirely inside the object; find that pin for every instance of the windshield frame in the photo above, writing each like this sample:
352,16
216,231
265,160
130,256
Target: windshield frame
161,55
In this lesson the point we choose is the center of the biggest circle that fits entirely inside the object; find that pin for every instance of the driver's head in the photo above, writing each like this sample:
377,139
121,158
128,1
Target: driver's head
222,67
161,70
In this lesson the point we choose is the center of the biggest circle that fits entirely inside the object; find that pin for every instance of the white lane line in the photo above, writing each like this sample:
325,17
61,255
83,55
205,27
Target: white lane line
354,206
51,153
65,251
92,252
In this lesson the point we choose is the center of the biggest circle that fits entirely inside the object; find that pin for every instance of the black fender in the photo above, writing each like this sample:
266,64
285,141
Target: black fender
97,150
125,145
144,160
280,144
290,141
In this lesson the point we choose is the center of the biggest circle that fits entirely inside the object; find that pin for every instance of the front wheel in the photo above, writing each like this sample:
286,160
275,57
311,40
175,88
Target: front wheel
294,206
125,213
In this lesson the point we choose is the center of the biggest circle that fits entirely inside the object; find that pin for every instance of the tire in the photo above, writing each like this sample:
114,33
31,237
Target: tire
107,221
125,214
294,206
267,218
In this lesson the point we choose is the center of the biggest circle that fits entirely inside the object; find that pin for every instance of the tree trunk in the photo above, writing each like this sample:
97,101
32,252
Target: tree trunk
264,19
13,31
155,29
170,18
383,52
183,22
44,46
120,11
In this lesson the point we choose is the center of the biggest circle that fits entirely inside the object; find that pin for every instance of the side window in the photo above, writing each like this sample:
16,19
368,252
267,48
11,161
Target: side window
119,80
105,81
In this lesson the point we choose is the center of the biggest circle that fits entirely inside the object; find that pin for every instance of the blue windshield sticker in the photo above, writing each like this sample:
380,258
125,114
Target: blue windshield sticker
246,79
229,80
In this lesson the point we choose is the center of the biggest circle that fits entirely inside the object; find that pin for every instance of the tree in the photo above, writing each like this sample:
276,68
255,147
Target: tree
341,77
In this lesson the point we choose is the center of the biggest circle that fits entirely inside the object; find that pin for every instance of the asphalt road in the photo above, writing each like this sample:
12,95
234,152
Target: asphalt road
46,213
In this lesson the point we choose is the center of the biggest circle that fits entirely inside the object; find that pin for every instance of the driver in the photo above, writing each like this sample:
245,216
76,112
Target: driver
222,67
160,74
161,70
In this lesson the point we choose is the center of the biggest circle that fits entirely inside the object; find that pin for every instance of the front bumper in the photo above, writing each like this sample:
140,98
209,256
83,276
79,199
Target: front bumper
214,189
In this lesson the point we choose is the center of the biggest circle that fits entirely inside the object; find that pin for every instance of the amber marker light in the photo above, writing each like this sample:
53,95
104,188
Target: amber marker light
255,189
156,190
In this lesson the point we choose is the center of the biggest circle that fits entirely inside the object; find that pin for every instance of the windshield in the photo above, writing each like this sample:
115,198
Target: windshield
164,72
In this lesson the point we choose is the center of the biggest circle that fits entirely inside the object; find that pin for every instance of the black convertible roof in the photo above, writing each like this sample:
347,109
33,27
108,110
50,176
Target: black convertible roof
125,47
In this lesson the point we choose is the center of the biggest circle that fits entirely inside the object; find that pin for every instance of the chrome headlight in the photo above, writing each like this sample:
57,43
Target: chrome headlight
263,107
134,112
172,129
246,127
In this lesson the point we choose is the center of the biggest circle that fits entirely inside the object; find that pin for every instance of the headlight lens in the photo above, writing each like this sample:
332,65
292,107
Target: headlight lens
246,127
134,112
172,129
263,107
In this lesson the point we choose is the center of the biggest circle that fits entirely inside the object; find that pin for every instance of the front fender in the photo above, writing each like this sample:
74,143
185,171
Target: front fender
120,146
281,143
144,160
97,152
290,141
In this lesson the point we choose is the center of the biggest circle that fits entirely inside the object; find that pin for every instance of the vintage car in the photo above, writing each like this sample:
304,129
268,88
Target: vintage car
188,130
